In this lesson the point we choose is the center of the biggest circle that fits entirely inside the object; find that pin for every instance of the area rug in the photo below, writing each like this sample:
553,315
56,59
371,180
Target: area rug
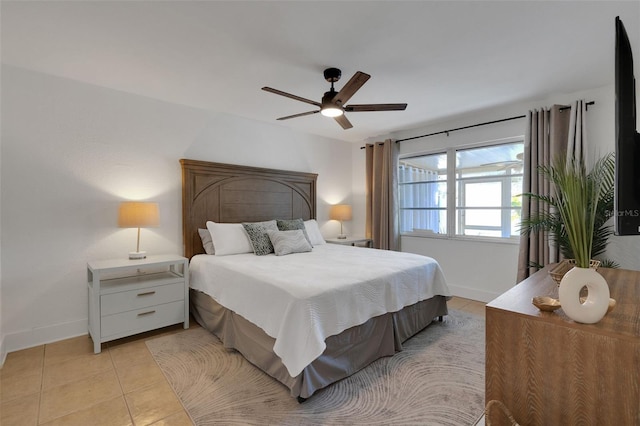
438,379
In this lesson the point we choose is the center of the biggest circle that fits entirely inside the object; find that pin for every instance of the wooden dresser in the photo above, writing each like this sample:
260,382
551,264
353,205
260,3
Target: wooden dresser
550,370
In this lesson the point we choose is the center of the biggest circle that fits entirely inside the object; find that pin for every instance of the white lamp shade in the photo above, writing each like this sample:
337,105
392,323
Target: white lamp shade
340,212
137,214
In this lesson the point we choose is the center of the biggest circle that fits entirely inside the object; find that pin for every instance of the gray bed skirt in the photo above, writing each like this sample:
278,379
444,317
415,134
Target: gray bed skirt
345,354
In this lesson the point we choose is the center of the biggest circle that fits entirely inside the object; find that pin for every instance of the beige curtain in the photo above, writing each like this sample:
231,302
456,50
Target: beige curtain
381,198
545,138
558,131
577,139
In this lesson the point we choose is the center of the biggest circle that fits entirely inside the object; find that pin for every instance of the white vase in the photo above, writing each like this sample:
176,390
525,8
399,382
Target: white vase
595,306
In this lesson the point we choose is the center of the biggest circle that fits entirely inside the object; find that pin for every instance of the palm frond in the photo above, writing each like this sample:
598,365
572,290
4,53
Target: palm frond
576,215
547,199
608,263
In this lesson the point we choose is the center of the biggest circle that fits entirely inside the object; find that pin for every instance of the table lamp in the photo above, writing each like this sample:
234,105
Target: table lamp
340,212
138,214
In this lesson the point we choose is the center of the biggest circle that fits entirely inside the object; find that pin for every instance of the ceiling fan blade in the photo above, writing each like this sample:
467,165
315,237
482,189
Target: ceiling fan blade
375,107
342,120
302,114
352,86
289,95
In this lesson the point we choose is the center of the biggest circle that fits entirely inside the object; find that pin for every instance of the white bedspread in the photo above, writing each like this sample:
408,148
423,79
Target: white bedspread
301,299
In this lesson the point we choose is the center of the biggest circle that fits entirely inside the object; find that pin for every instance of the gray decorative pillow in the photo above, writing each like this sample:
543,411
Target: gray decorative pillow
207,243
292,224
287,242
257,233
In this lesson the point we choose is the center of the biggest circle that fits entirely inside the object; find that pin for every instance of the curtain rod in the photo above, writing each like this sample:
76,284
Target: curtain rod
478,125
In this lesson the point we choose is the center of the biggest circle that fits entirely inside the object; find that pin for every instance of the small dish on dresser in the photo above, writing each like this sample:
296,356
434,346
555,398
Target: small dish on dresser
612,303
546,303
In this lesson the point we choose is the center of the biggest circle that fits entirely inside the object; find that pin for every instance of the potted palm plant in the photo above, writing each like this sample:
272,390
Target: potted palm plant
550,219
577,195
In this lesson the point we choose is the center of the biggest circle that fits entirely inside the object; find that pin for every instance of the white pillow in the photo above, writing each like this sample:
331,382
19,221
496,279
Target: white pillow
313,232
287,242
229,238
207,243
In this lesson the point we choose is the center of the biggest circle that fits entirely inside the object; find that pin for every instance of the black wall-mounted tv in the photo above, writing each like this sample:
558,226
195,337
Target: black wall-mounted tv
627,176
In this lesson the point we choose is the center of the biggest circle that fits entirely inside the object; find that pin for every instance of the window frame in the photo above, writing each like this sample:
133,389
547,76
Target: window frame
452,188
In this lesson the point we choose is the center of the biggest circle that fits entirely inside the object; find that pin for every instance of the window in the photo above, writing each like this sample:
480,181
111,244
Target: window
485,200
423,193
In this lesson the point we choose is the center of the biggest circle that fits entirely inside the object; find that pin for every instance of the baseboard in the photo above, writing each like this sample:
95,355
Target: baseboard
42,335
472,293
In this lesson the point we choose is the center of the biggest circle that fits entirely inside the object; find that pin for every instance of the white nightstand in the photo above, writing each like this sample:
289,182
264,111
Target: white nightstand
352,241
133,296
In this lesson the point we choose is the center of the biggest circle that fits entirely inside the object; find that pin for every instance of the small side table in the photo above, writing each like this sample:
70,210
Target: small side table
352,241
128,297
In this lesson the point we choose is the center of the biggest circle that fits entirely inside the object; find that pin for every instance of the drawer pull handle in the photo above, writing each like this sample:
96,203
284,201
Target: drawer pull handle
149,293
141,314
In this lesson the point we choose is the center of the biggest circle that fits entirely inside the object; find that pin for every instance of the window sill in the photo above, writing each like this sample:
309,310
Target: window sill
509,241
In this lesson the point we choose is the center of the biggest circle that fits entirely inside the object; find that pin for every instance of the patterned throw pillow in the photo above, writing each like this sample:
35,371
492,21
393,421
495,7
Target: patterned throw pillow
207,242
257,233
293,224
287,242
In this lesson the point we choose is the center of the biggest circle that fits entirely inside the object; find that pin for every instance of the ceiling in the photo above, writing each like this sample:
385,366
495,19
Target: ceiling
442,58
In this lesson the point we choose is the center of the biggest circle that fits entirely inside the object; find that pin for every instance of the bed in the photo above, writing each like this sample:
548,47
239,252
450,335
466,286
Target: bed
267,319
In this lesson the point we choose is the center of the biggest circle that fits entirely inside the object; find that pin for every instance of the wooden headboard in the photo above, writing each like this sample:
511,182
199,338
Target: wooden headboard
228,193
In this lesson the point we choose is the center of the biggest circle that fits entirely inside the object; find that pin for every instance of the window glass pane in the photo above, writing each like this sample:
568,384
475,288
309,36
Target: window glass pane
483,194
426,221
516,191
515,222
495,160
433,164
422,193
488,177
482,217
516,203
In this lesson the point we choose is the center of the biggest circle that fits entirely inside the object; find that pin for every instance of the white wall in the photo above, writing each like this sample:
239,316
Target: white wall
2,350
481,270
72,152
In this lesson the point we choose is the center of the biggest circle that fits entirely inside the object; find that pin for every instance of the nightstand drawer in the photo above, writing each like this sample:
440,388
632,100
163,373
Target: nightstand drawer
131,296
351,241
131,322
135,299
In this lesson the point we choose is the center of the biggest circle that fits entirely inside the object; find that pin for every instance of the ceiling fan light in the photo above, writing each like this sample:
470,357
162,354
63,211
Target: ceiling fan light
331,111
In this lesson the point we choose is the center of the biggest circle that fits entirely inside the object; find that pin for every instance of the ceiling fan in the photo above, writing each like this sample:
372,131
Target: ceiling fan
333,103
516,164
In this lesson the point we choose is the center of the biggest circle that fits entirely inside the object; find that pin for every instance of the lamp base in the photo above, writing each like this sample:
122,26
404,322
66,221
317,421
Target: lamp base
137,255
342,237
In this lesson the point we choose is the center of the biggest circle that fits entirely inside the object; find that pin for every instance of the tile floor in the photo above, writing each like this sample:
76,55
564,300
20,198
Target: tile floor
65,383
